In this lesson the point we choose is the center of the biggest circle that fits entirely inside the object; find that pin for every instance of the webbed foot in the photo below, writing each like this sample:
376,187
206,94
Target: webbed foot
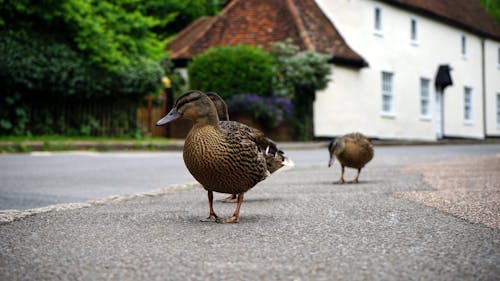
211,218
233,219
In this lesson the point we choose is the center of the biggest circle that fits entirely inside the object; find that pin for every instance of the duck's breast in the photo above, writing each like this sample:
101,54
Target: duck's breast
220,164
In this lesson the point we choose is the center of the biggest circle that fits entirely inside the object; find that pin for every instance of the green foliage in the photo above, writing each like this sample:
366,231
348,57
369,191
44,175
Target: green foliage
177,81
109,34
298,71
493,8
13,114
299,76
174,15
231,70
35,62
74,50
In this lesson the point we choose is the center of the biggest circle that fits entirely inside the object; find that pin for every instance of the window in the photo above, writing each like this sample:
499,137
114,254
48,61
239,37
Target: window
387,95
467,105
498,110
377,24
424,98
464,46
413,31
498,59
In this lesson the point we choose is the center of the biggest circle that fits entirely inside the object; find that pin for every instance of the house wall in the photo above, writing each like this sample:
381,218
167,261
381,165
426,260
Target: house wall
353,100
492,71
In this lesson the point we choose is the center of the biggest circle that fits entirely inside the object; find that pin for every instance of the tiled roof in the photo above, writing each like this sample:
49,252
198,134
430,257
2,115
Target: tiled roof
466,14
259,23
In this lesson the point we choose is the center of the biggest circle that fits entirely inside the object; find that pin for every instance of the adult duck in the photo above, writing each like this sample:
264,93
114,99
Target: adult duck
228,158
352,150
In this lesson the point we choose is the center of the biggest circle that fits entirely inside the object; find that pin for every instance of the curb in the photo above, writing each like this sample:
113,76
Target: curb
177,145
8,216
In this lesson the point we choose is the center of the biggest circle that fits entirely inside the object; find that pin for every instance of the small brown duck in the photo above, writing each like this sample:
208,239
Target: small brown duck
226,157
274,161
352,150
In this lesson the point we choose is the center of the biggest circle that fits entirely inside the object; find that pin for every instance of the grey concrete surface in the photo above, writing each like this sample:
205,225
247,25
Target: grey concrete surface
44,178
296,225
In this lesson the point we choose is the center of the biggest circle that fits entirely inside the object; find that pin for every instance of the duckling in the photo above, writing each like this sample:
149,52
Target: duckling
275,159
352,150
228,159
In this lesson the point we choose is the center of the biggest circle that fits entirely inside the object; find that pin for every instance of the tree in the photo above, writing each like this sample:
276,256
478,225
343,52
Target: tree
299,76
58,50
493,8
231,70
174,15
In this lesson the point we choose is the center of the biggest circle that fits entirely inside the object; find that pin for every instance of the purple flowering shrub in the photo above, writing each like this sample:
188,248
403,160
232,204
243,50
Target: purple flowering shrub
268,111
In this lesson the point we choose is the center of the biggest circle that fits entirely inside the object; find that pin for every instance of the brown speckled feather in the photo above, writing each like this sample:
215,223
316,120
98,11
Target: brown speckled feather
353,150
274,159
224,159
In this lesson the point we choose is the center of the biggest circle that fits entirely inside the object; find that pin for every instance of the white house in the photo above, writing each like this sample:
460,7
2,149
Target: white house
396,97
401,69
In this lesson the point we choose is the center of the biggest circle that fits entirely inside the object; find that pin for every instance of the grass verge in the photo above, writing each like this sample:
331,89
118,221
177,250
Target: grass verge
26,144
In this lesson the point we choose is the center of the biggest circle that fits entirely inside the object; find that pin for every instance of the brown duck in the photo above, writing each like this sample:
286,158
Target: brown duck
274,161
352,150
226,157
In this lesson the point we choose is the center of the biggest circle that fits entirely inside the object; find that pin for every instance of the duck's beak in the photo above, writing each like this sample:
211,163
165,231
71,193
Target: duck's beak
332,159
171,116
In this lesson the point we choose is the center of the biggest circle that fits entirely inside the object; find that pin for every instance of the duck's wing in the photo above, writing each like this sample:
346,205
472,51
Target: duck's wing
275,158
244,148
265,144
363,148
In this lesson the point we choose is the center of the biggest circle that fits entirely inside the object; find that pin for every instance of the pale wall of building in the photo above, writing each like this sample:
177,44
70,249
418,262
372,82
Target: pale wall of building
353,101
492,59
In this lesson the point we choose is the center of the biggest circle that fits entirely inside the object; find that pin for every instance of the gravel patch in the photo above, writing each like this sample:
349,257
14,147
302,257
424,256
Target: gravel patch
468,188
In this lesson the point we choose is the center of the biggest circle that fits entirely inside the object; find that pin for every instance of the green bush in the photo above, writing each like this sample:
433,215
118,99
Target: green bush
44,80
231,70
298,72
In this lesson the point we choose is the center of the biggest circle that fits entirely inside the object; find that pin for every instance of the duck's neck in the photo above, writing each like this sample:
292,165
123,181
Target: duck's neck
209,119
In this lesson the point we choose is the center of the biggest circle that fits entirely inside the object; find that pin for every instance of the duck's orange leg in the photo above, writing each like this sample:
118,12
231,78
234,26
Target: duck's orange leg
356,180
233,198
236,214
212,216
341,180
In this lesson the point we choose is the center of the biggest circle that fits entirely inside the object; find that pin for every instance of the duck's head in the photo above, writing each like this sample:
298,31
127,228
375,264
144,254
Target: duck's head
194,105
220,105
331,149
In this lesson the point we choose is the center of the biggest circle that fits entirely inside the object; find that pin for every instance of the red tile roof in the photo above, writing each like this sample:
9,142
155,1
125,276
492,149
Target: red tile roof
466,14
259,23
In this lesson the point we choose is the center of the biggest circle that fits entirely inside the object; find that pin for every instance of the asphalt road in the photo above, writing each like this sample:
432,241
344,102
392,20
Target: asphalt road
296,225
43,178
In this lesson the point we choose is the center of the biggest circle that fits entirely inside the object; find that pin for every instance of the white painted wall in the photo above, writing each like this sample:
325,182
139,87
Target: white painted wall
492,53
352,102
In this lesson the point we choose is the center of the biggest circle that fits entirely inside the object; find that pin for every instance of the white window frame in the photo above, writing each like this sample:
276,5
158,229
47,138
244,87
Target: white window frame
377,21
498,57
467,105
413,31
425,99
498,110
463,46
387,94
